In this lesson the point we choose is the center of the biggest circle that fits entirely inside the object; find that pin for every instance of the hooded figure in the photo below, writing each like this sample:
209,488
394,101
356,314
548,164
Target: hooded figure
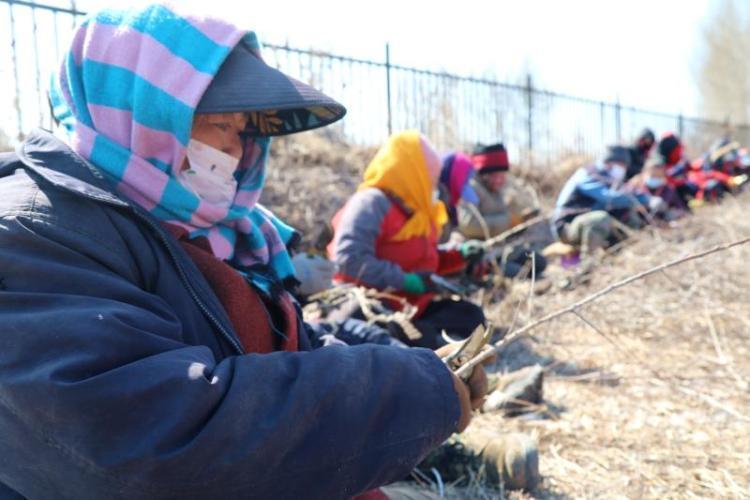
386,237
151,346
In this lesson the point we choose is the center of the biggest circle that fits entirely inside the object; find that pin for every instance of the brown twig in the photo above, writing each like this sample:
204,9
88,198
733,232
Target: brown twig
515,230
466,368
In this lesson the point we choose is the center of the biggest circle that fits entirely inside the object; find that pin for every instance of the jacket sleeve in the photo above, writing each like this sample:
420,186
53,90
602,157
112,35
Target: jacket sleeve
605,197
470,226
355,240
100,398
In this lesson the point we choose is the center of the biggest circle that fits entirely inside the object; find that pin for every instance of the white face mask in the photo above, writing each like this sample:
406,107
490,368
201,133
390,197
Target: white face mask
655,182
617,172
210,174
436,195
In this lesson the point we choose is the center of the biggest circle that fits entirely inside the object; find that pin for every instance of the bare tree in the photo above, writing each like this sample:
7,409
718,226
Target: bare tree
723,65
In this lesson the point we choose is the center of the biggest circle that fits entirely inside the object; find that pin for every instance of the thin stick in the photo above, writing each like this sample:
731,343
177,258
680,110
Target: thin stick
723,360
505,235
530,305
713,402
466,368
486,230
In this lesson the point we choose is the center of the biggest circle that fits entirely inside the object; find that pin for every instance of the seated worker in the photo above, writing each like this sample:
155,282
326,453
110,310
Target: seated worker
639,153
710,184
151,348
664,203
591,199
455,175
725,157
386,237
671,152
497,209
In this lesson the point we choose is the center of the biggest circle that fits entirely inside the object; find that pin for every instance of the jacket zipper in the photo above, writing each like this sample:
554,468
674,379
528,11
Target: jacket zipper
227,335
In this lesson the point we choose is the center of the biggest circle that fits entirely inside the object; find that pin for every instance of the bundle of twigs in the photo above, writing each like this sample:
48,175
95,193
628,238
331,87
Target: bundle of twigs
370,302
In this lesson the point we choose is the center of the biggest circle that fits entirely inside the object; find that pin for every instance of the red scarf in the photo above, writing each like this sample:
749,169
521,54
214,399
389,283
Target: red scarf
250,315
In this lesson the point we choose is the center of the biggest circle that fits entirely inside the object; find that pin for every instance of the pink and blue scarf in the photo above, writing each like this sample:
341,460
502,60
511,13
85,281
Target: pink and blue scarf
126,92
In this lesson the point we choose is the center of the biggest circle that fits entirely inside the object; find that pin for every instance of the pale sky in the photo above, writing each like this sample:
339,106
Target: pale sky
642,51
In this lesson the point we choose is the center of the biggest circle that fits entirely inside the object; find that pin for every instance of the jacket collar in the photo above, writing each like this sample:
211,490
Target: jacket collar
53,160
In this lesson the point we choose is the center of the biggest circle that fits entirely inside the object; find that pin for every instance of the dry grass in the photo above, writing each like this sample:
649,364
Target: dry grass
651,399
310,178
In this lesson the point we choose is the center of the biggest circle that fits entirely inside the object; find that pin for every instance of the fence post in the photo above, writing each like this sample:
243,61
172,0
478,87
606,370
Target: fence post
388,85
529,117
618,120
75,10
14,51
680,126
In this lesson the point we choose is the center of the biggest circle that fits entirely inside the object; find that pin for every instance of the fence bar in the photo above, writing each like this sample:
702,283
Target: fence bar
388,86
14,51
455,111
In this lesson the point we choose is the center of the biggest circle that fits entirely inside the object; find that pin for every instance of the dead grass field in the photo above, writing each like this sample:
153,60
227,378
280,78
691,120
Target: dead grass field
648,395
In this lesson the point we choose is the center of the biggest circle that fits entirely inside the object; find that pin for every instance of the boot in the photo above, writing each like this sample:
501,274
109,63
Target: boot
512,390
512,459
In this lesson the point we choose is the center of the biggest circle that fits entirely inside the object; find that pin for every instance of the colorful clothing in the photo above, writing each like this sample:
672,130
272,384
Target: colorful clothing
591,189
400,169
366,252
711,184
123,375
666,192
493,209
117,97
455,174
389,228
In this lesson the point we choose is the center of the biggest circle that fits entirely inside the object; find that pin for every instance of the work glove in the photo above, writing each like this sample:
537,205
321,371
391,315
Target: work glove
657,205
418,283
472,251
314,273
738,180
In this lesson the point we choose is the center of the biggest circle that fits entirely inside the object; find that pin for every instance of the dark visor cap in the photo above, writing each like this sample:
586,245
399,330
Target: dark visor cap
277,103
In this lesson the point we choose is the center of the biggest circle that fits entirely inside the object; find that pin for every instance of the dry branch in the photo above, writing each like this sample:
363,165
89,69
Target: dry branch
591,298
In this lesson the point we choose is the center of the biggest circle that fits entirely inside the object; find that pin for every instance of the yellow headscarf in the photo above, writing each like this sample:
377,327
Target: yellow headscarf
400,168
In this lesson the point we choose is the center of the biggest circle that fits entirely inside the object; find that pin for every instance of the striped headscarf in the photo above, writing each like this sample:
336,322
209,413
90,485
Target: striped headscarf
126,92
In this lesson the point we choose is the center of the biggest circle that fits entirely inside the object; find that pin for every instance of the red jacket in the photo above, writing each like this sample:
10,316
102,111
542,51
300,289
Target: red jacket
365,253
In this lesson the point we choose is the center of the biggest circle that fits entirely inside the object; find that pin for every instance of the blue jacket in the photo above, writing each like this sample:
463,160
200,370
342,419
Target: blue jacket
587,190
121,375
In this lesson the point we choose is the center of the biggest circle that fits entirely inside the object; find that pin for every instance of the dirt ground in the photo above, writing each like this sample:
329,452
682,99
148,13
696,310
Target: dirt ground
647,390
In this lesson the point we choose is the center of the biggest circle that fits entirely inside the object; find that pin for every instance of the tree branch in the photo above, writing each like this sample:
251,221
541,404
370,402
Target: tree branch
467,367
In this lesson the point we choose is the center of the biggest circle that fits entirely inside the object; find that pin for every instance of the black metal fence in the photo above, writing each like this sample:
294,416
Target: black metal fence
538,126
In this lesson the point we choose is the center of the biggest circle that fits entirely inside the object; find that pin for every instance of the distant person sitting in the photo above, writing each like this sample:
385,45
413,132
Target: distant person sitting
386,238
495,208
455,187
671,152
639,152
592,200
664,203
